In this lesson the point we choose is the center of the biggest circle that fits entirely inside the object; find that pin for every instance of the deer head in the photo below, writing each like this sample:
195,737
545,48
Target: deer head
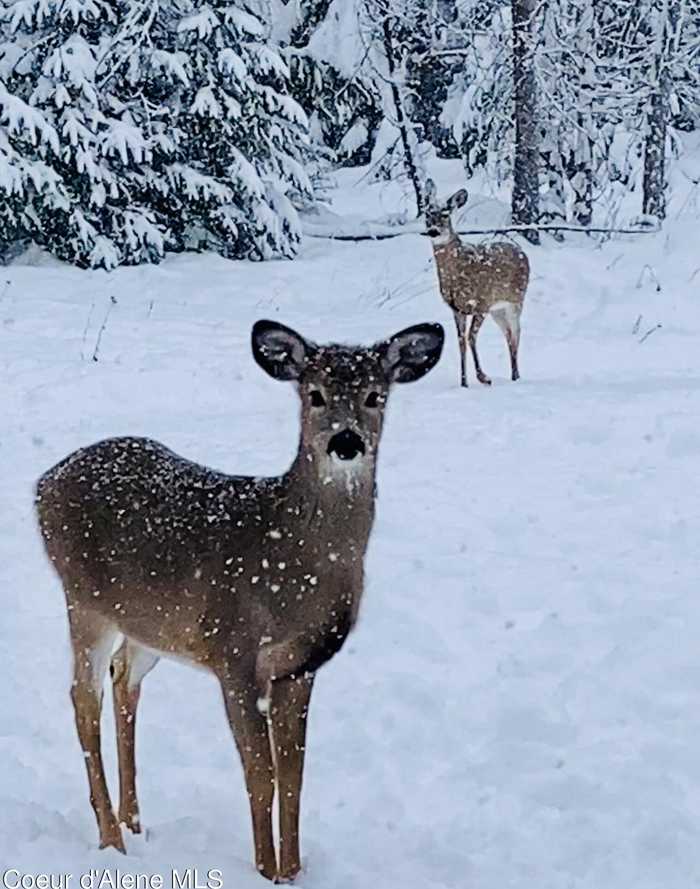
438,216
344,389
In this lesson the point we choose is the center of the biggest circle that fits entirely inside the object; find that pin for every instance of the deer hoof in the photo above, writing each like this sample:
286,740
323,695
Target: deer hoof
286,878
270,873
112,839
131,821
484,379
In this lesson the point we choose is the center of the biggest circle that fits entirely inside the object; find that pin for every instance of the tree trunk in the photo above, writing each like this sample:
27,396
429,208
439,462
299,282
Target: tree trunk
581,166
654,181
402,121
525,199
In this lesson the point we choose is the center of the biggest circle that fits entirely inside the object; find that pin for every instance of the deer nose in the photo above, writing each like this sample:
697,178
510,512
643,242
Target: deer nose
346,445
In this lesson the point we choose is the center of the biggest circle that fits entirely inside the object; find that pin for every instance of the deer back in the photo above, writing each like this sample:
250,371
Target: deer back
474,278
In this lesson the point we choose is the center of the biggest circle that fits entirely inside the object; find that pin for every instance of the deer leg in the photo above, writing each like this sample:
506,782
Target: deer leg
287,717
474,327
509,321
129,666
461,325
92,641
250,732
513,338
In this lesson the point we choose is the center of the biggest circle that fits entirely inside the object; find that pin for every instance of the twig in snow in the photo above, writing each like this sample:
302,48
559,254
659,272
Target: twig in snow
5,289
112,302
652,274
85,331
650,331
150,308
637,325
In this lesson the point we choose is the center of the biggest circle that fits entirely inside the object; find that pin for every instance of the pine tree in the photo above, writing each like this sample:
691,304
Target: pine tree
650,68
175,128
328,78
101,222
215,99
26,179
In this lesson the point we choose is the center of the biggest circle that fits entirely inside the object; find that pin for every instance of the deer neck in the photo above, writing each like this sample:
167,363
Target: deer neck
446,246
446,255
329,493
446,252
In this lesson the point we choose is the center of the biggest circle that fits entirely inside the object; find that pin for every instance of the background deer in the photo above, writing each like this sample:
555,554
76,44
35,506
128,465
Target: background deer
476,280
257,580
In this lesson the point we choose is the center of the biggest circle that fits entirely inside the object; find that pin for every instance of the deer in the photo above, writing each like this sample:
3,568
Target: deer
256,580
477,280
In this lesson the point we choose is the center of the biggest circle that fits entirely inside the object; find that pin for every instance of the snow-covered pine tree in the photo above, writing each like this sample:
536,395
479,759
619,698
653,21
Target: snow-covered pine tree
573,146
649,67
27,182
480,103
212,94
582,80
175,126
50,57
320,42
429,32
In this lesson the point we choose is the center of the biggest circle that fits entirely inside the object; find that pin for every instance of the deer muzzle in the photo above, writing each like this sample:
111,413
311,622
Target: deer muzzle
346,445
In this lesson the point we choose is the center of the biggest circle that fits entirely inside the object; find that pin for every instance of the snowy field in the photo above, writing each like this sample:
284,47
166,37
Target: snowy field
520,703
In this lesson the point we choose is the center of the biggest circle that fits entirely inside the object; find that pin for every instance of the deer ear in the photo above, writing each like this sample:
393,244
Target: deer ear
279,350
410,354
458,199
430,192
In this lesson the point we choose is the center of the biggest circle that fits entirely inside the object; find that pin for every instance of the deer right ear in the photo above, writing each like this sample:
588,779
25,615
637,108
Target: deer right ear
279,350
458,199
410,354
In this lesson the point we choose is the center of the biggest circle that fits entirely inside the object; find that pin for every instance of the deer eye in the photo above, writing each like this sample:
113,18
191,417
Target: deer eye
317,399
372,400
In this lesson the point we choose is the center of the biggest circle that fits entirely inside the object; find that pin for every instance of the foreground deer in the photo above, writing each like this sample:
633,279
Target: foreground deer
477,280
258,580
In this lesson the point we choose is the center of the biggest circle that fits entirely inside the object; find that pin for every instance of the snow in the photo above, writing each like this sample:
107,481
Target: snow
519,705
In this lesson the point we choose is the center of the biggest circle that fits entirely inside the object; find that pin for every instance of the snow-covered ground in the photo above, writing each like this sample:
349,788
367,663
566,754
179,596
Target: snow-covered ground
520,703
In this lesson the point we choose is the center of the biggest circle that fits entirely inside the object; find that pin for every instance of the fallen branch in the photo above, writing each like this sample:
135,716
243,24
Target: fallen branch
383,236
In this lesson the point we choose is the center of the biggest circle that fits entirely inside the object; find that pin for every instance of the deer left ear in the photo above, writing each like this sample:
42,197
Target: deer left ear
410,354
458,199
